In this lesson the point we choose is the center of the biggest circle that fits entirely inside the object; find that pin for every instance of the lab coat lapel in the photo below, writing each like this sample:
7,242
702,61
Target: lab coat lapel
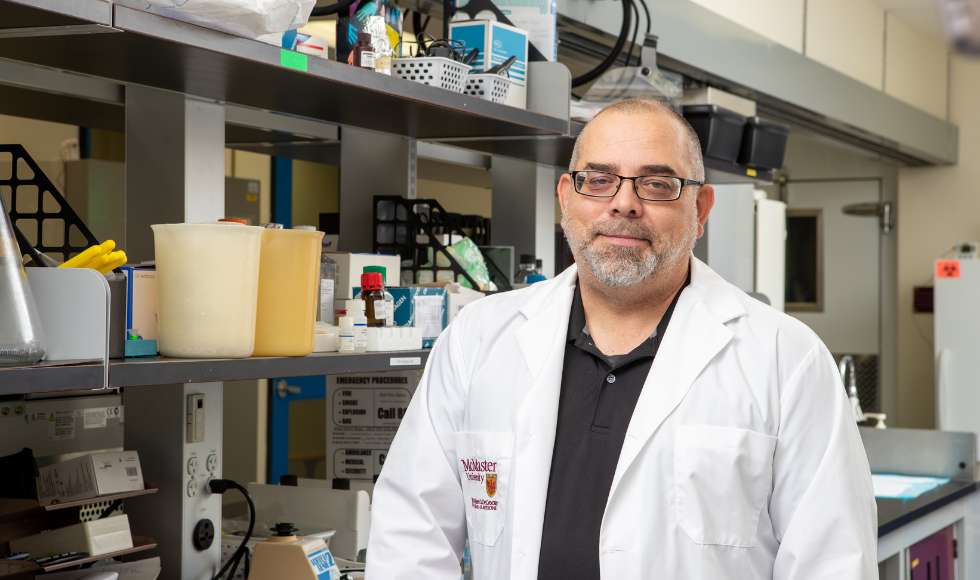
542,343
695,335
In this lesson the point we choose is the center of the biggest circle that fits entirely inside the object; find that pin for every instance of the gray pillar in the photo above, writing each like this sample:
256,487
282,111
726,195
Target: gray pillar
175,164
524,209
731,246
371,164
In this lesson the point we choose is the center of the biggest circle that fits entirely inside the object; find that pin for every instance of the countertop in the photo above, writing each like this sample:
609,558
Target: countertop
895,513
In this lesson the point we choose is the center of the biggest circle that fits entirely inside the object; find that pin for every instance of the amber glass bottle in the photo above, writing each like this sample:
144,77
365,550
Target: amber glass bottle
372,292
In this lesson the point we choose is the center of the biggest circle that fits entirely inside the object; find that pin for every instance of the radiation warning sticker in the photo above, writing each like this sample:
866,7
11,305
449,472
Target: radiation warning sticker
947,268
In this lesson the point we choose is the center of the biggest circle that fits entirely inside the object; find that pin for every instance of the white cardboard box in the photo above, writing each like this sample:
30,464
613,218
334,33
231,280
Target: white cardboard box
95,537
351,266
89,476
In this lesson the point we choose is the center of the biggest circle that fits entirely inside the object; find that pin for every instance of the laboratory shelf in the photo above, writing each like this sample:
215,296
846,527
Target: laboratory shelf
51,376
150,50
148,488
133,372
140,543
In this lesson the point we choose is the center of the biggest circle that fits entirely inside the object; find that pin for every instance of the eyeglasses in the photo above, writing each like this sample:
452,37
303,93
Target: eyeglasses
647,187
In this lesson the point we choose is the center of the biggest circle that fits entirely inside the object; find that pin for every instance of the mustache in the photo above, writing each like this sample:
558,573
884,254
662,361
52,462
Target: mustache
626,229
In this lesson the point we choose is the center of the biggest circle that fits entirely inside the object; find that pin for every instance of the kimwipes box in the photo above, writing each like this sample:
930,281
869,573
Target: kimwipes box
89,476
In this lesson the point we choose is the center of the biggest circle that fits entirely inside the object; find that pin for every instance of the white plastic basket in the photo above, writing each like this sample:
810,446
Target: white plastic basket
490,87
434,71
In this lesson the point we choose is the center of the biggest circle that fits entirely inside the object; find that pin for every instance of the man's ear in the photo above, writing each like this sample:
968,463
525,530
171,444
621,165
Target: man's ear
705,201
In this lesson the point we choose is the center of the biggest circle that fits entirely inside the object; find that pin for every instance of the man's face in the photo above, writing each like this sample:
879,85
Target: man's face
624,240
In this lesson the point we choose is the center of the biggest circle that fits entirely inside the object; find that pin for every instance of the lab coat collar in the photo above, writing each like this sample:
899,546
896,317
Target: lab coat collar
695,335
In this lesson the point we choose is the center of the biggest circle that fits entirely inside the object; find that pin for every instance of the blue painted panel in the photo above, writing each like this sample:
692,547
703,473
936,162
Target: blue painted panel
310,388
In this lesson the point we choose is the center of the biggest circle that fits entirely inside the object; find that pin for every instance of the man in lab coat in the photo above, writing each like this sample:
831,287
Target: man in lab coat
637,417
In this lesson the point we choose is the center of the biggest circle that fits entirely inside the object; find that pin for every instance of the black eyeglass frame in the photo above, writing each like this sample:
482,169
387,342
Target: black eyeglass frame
623,178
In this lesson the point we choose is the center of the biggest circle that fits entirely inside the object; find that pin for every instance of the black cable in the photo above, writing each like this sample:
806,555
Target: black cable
333,8
221,486
613,54
636,28
646,11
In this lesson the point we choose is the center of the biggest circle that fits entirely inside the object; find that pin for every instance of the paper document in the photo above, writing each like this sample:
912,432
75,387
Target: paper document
904,486
428,315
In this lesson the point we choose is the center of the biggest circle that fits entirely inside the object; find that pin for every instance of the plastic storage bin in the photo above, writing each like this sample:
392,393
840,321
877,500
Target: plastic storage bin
208,279
289,276
763,143
434,71
719,130
489,87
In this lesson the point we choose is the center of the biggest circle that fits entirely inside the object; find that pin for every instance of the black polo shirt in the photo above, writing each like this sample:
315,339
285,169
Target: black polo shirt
598,395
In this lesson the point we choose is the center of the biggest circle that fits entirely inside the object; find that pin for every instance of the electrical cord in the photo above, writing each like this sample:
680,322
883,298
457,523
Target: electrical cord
636,28
613,54
220,486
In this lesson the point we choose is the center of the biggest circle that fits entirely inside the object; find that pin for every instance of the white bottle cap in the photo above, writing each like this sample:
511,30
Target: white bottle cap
305,228
355,306
347,321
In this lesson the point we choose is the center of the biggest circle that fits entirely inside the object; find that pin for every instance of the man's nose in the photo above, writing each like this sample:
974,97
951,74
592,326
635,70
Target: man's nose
626,202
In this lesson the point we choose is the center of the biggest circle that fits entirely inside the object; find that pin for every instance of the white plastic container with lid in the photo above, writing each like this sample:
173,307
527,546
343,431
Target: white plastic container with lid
208,279
345,340
355,310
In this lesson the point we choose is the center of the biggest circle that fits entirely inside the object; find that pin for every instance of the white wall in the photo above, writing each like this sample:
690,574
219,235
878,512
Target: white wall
915,68
848,36
778,20
937,208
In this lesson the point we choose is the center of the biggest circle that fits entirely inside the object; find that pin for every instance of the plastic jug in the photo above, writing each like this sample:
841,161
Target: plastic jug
288,292
208,279
21,336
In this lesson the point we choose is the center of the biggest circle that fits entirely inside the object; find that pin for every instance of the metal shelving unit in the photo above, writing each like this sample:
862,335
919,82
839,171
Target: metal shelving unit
150,50
131,372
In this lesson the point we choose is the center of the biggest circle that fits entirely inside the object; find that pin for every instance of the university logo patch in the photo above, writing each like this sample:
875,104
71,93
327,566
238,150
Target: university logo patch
491,480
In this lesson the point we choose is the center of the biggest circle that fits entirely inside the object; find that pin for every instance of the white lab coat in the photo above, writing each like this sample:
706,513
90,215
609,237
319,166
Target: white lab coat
741,461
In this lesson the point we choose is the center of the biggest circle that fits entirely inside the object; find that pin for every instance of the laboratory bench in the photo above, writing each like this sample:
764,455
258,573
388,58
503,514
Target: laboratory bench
938,527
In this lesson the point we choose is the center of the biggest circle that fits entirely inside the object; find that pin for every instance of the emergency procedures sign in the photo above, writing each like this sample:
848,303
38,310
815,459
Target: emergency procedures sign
363,414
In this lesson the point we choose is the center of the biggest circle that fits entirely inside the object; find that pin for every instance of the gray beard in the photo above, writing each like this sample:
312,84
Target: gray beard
622,267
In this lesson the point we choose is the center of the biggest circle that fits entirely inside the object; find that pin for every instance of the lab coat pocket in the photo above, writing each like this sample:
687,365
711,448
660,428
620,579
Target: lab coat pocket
484,473
722,477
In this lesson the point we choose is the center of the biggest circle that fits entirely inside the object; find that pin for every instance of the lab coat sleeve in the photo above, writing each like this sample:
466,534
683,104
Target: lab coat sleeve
822,507
417,516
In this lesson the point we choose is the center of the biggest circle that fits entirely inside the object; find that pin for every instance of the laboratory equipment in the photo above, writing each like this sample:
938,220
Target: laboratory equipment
328,281
526,267
372,293
345,339
389,299
285,555
848,375
21,336
355,310
313,506
208,279
287,296
957,340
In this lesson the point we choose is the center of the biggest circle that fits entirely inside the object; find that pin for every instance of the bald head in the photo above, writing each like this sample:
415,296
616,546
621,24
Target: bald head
659,112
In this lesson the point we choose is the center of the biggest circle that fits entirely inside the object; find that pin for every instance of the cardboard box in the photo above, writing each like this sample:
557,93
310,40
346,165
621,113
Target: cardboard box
142,301
96,537
89,476
421,306
351,266
506,41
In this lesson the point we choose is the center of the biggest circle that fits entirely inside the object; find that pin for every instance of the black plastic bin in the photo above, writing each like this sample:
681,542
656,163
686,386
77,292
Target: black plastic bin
763,144
719,130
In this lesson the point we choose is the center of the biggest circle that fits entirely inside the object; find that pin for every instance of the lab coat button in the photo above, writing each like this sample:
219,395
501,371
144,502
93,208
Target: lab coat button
611,379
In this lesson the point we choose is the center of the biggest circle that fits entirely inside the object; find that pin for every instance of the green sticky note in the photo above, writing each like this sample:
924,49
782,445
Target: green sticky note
290,59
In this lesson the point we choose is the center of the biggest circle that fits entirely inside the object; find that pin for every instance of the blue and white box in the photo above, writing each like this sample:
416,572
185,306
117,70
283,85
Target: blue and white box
504,41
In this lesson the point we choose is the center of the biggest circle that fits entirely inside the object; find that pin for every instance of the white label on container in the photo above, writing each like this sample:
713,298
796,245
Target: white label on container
346,343
389,312
95,418
406,361
380,311
367,59
428,315
360,335
326,297
61,425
